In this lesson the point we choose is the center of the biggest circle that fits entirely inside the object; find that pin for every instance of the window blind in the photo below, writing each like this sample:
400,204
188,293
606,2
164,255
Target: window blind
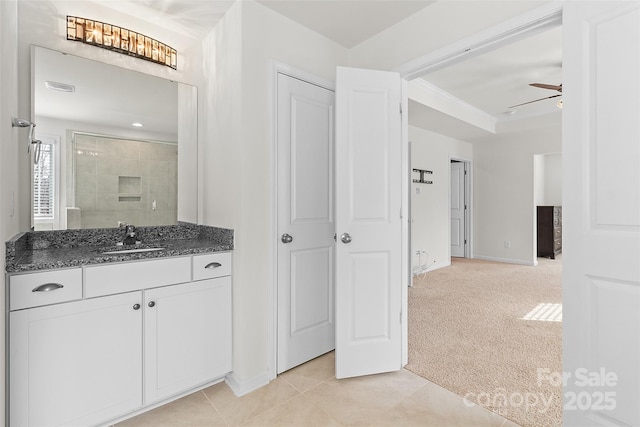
44,184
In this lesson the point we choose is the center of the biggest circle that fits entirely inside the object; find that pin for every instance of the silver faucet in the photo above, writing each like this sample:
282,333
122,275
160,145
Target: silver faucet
130,235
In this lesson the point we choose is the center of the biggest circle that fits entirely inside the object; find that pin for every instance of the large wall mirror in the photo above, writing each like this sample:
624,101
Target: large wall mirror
118,146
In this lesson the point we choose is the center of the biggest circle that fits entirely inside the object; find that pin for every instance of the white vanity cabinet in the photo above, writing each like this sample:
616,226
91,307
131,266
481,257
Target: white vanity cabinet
187,336
77,363
142,332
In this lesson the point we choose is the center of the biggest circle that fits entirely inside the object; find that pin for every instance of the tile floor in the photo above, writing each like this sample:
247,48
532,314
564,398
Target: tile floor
309,395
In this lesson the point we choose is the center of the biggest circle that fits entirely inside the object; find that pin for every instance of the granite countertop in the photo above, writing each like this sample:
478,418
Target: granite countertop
43,250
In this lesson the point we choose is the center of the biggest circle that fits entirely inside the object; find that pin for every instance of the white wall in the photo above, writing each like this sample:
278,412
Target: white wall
548,179
430,226
538,179
238,151
9,224
504,199
553,179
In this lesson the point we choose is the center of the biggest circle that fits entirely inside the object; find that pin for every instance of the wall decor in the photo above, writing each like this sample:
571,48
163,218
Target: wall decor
419,176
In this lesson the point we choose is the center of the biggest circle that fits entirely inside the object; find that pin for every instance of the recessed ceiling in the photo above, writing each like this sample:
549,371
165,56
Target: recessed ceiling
348,22
499,79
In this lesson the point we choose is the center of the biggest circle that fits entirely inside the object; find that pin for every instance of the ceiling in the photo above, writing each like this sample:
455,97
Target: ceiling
489,83
495,81
339,20
347,23
185,21
499,79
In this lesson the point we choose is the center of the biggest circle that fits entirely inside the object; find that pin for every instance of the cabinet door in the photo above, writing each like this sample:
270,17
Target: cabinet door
187,336
77,363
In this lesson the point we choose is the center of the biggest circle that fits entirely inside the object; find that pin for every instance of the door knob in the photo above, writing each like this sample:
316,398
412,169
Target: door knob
286,238
345,238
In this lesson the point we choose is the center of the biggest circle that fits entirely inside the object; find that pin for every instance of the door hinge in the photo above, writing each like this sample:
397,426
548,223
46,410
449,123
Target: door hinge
401,108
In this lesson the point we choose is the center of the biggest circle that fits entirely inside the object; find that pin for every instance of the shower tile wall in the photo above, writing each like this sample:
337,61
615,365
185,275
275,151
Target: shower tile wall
118,180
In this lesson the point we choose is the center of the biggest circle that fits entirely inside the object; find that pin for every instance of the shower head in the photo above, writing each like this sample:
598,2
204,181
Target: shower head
21,123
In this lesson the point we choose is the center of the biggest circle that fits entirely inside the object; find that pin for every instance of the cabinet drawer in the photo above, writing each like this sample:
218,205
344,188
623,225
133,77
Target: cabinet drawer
557,245
23,291
208,266
117,278
557,233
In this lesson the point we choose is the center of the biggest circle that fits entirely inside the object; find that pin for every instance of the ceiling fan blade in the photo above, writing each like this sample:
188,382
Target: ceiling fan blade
546,86
536,100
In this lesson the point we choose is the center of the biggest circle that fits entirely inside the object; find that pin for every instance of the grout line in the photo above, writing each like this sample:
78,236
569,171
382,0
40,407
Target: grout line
215,409
322,409
271,408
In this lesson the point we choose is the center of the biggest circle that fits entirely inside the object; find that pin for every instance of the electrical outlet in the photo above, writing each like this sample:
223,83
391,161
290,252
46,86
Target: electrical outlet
507,244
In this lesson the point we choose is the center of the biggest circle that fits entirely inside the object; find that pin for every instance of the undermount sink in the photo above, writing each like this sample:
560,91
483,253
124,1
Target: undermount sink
132,251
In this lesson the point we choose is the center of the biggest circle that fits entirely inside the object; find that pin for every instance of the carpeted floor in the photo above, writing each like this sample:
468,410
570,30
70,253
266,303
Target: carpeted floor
467,334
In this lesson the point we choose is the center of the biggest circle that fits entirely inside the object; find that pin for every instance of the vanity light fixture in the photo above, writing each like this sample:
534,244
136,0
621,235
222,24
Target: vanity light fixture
559,104
112,37
137,124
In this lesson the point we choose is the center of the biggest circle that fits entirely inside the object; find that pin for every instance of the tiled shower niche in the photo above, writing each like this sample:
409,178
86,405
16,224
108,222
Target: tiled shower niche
120,180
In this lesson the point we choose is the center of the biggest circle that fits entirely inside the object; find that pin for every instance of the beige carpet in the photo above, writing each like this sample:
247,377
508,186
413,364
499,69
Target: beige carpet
466,334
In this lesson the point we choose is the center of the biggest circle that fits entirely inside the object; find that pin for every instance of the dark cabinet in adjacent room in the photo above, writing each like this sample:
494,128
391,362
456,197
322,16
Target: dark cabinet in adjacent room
549,231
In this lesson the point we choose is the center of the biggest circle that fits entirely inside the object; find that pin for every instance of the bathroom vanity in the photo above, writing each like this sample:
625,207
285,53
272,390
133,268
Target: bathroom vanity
95,338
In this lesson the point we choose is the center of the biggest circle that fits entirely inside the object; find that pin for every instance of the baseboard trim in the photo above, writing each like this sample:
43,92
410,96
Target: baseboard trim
242,387
505,260
432,267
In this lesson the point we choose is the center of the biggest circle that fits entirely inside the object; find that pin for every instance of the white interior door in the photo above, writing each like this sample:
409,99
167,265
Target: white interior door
601,213
369,187
457,209
306,277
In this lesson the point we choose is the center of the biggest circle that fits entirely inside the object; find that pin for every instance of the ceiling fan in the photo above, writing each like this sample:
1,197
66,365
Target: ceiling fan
543,86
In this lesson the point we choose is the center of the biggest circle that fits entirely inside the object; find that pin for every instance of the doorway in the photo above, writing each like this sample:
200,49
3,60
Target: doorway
459,201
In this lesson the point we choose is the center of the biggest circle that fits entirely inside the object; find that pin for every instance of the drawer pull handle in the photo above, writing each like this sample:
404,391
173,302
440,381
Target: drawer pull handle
47,287
151,304
212,265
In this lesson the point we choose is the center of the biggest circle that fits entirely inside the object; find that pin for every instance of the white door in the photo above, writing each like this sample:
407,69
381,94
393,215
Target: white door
305,138
187,336
77,363
369,174
601,209
458,208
